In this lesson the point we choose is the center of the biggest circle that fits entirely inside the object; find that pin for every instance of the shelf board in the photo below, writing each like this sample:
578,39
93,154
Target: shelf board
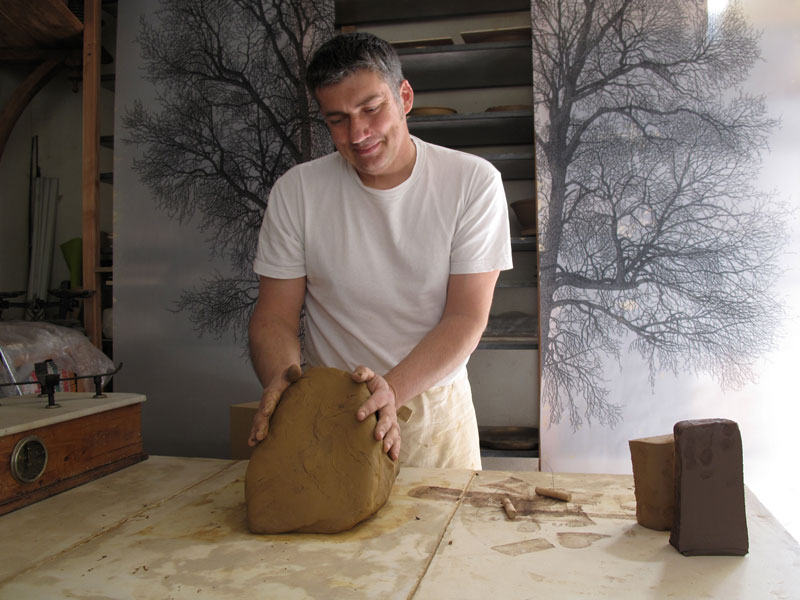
511,330
106,177
475,129
516,283
523,244
496,342
513,166
354,12
462,66
107,141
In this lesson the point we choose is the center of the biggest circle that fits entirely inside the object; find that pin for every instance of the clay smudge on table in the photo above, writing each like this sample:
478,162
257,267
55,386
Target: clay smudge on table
529,527
576,540
432,492
512,484
537,508
524,547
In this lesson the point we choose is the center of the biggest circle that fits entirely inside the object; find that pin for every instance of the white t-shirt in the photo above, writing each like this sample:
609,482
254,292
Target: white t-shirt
377,262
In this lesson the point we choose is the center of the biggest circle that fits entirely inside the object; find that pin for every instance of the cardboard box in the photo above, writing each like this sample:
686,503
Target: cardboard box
241,420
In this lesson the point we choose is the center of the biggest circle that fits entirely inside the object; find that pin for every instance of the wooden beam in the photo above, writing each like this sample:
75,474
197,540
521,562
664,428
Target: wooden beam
36,55
43,23
91,170
19,100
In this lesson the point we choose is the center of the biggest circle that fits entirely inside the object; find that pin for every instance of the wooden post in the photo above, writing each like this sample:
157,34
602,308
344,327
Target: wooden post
91,170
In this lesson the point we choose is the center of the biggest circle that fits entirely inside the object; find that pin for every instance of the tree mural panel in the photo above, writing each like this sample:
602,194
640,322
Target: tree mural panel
653,237
232,115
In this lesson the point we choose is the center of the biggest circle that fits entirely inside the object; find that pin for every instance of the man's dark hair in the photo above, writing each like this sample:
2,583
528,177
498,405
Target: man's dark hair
348,53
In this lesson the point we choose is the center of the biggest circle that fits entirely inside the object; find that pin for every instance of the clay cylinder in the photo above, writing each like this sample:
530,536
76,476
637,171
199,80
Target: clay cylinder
709,489
653,460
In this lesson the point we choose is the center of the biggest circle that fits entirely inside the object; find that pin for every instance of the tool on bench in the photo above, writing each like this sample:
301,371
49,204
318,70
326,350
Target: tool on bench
48,382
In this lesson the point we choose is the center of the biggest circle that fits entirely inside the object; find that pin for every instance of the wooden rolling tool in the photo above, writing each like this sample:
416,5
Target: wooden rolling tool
555,494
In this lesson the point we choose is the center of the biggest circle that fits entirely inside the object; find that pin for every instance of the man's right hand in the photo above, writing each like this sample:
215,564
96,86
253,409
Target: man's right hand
269,400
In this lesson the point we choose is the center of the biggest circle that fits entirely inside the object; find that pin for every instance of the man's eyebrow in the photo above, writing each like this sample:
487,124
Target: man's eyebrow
366,100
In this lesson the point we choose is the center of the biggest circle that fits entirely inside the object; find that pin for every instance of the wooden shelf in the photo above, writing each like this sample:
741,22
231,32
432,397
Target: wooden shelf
523,244
475,129
512,331
509,343
513,166
465,66
354,12
522,283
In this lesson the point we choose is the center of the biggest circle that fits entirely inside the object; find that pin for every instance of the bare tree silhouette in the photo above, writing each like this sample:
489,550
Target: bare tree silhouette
234,115
652,235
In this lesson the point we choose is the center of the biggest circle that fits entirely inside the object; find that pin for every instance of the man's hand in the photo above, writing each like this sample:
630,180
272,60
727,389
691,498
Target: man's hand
269,400
383,402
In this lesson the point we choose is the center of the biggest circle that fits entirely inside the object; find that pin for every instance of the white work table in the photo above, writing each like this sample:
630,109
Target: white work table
175,528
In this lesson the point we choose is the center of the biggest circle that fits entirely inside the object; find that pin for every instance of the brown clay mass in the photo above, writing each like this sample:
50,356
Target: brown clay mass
319,470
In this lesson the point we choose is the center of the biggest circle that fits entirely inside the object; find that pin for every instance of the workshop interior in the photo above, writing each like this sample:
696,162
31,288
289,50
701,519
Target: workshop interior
633,386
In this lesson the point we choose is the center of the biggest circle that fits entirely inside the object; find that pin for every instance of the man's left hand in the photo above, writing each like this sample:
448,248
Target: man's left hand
383,402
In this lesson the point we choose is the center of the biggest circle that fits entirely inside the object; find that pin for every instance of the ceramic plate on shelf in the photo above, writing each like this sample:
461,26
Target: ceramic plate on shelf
426,111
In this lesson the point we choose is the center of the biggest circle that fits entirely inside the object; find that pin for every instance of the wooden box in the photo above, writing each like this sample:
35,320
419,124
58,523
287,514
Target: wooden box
44,451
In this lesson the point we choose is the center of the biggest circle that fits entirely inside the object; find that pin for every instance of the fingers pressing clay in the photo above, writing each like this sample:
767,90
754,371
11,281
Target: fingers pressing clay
261,419
391,443
293,373
362,374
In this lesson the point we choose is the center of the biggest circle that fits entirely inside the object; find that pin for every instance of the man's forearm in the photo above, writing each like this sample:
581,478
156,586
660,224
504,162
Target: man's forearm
451,341
441,351
274,347
273,330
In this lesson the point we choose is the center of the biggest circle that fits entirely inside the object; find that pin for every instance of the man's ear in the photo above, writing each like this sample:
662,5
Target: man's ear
406,96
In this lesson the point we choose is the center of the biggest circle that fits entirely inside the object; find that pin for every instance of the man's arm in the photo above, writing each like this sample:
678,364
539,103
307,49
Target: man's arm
454,338
274,345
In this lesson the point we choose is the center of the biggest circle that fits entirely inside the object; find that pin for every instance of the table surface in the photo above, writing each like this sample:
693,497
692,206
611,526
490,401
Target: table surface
175,528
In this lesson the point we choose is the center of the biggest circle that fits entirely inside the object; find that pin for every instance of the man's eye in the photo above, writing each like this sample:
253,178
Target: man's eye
372,109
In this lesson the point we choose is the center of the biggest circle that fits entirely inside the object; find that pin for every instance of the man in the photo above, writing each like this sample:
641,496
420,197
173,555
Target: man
394,245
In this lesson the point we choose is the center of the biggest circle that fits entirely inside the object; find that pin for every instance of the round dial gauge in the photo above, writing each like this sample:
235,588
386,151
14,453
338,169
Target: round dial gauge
29,459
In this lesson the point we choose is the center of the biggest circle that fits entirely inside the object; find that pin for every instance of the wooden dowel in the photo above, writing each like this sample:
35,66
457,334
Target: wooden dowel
511,512
555,494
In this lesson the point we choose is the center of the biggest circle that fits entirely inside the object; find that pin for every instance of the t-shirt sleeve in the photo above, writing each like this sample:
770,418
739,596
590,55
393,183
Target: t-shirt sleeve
281,247
482,241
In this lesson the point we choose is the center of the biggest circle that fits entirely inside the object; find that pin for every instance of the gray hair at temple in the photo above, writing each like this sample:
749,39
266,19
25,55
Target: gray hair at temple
348,53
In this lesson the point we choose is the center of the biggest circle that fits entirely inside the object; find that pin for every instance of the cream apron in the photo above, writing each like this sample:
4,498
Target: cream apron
442,431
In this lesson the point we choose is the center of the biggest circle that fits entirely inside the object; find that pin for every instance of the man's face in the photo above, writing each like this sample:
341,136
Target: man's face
369,128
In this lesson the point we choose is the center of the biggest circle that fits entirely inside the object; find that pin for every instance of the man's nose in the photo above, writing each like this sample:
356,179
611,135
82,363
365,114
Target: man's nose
359,129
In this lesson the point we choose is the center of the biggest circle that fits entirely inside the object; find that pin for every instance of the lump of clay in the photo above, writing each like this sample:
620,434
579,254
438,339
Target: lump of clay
319,470
653,460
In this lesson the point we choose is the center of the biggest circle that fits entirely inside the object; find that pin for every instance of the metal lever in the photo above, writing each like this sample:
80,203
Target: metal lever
48,382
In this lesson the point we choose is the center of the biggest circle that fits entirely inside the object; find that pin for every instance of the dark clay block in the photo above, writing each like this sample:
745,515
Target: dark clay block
709,489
